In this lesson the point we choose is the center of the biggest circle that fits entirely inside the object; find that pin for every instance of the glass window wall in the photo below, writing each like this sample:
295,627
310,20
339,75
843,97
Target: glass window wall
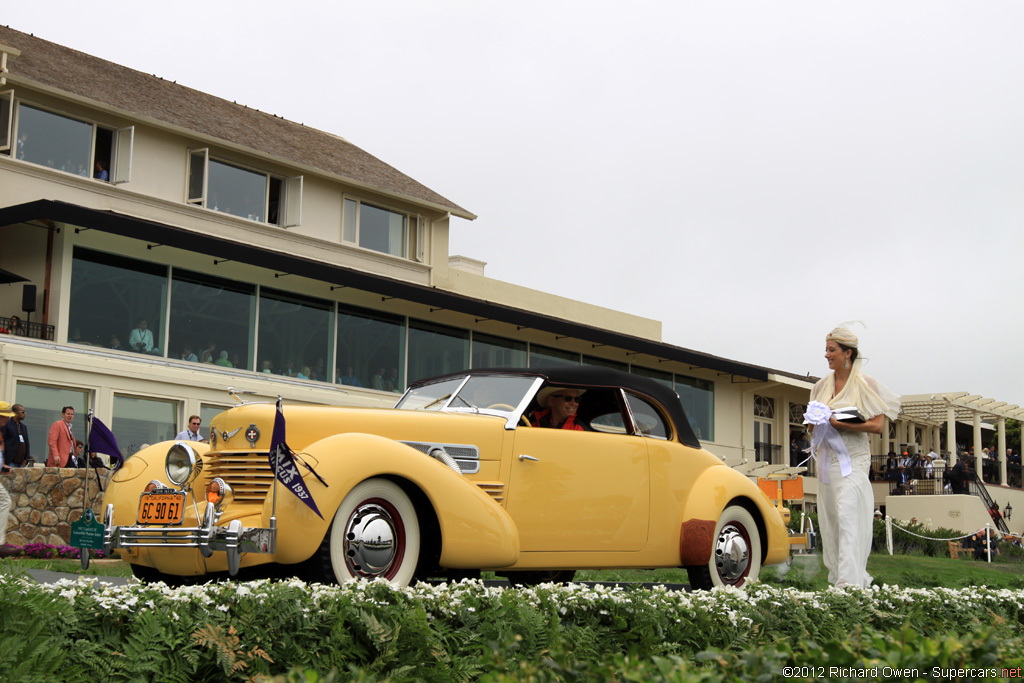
43,406
544,357
139,422
436,350
663,377
495,352
371,349
117,302
698,399
295,336
593,361
206,414
212,320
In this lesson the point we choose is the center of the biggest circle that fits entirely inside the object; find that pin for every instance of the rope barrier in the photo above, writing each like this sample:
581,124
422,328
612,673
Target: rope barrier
930,538
889,524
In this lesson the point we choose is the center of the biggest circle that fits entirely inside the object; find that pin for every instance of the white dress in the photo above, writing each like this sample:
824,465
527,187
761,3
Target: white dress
846,514
846,504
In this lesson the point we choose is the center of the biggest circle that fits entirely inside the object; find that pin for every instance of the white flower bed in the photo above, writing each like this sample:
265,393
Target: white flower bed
721,606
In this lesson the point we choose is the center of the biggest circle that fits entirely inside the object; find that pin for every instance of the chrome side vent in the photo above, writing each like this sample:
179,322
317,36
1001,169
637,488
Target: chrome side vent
494,489
466,456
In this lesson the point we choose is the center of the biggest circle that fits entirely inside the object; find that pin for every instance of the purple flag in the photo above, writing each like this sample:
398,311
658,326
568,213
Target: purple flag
286,469
101,440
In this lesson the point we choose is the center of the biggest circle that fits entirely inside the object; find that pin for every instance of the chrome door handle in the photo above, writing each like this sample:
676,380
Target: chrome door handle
524,456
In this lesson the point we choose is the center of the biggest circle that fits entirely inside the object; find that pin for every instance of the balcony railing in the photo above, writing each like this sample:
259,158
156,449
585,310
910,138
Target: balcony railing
19,328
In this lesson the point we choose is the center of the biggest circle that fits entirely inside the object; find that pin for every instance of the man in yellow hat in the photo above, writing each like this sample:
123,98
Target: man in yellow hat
5,498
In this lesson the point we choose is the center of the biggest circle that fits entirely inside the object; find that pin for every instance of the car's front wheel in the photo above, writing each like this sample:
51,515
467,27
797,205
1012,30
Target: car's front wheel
735,555
374,534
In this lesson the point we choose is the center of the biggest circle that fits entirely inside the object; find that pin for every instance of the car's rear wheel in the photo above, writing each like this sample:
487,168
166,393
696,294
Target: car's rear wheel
374,534
736,554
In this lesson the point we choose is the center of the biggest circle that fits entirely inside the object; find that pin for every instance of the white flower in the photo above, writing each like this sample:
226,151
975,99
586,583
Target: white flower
817,413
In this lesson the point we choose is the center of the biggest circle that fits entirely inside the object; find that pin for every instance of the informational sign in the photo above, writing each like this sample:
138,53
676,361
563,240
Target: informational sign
87,532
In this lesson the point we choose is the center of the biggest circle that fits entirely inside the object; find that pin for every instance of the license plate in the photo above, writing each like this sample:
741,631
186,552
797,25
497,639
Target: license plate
165,507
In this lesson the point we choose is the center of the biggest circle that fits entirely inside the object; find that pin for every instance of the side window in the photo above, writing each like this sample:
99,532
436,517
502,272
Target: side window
609,423
649,421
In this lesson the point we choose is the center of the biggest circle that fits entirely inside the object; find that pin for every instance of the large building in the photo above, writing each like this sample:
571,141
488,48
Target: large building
162,244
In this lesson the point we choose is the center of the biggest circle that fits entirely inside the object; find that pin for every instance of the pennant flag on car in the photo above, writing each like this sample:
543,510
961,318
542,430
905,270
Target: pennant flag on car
283,463
101,440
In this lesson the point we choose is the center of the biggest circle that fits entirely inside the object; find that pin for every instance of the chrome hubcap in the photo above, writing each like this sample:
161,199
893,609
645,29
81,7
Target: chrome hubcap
732,553
370,540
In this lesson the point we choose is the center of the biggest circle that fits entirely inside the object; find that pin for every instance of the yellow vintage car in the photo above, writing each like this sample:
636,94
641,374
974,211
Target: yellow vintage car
458,477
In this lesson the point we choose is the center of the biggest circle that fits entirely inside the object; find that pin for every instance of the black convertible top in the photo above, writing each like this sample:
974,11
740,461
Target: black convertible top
596,377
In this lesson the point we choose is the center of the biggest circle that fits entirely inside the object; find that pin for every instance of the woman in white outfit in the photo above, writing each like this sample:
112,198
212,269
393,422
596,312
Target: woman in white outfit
845,500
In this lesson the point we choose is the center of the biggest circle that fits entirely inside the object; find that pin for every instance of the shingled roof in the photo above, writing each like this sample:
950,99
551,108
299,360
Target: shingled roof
70,71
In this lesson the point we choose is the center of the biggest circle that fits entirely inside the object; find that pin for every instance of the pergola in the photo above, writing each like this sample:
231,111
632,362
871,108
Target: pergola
933,410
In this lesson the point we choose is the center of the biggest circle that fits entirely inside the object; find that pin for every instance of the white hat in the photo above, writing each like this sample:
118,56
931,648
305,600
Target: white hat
545,393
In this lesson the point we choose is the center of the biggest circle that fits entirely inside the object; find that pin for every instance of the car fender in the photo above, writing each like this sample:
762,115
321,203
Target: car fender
475,530
714,490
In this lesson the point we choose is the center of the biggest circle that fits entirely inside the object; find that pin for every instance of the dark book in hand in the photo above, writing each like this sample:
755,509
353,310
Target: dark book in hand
850,414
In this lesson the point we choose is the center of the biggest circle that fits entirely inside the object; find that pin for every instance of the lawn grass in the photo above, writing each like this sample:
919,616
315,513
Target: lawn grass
96,567
807,572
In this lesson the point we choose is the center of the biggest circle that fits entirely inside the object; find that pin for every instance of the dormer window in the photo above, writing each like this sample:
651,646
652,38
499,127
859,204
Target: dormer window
383,230
71,145
244,192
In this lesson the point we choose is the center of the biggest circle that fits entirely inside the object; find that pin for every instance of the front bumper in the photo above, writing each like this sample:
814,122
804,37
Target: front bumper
233,539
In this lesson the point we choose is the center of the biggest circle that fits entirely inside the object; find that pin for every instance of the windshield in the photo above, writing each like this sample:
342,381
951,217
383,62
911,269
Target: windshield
479,393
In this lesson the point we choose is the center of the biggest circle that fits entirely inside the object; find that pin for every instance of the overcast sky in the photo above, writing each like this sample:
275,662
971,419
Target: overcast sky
748,173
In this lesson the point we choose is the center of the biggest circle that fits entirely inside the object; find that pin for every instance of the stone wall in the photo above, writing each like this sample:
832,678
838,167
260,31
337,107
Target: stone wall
45,500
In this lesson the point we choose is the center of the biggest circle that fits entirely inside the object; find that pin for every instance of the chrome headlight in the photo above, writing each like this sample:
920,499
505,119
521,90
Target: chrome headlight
219,494
183,464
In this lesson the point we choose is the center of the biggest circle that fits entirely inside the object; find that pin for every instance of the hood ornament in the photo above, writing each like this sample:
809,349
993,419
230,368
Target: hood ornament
228,435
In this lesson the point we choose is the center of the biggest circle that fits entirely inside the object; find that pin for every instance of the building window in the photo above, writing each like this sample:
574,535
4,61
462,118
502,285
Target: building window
796,413
73,146
243,192
764,406
111,296
436,350
546,357
371,349
698,399
295,336
383,230
6,120
140,422
495,352
212,320
206,413
595,362
43,406
663,377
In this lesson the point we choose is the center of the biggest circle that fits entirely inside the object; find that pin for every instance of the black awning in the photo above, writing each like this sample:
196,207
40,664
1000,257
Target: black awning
7,277
217,247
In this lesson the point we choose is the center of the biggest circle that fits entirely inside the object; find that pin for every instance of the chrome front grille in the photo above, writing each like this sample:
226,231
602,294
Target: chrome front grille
249,474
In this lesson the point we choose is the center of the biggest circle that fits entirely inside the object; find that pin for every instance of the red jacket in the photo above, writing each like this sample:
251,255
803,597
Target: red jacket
570,422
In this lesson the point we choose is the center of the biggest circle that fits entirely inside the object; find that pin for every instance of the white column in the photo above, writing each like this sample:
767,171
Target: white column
951,435
1001,430
978,455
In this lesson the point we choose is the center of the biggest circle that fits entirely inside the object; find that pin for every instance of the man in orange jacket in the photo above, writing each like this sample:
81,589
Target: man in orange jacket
61,440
